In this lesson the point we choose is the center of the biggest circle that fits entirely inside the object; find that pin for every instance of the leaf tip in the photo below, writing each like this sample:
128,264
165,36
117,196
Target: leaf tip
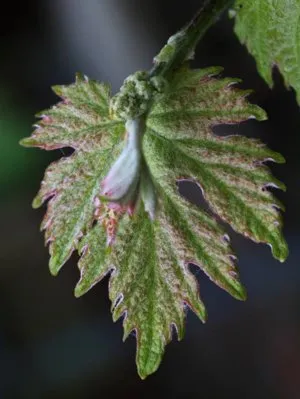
145,371
204,315
241,293
200,310
80,77
214,71
78,292
141,374
57,89
37,202
54,265
278,158
237,290
258,113
81,288
280,250
28,142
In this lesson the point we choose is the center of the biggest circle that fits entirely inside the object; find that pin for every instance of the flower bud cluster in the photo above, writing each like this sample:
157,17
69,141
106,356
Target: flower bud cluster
135,95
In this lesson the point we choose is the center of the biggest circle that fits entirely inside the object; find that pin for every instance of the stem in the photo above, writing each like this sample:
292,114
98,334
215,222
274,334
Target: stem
205,17
130,172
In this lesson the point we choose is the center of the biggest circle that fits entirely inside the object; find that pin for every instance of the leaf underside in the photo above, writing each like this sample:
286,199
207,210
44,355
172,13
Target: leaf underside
151,285
270,29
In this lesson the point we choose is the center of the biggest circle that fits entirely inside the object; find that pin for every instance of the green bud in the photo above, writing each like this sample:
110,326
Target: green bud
135,95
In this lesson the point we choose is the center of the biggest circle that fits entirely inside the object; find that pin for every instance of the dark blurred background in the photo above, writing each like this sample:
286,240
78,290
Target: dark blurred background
55,346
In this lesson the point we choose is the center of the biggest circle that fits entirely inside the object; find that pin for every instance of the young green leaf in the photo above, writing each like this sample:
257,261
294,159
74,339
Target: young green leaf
147,240
270,29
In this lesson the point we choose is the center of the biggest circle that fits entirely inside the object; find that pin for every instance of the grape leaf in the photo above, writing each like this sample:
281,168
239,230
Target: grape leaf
147,257
270,29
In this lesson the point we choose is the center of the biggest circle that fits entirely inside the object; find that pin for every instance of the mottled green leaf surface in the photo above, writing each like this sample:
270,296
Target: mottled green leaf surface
271,31
81,121
151,285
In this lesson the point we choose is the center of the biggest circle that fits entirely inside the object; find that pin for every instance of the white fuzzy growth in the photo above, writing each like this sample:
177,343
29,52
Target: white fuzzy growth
124,174
148,194
232,13
176,38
